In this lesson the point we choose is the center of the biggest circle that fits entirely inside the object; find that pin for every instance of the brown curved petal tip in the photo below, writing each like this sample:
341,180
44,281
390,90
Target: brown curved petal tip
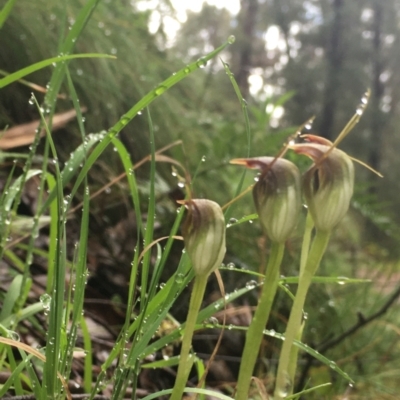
316,139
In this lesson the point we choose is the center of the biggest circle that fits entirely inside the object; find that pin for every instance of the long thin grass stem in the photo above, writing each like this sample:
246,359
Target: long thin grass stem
255,332
287,362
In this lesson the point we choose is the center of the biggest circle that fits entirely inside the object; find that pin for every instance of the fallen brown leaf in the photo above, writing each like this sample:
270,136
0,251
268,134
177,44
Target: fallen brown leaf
24,134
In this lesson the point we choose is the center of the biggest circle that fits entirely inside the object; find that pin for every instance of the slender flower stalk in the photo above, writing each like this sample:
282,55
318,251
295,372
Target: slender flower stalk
186,359
204,236
277,200
255,332
328,188
287,366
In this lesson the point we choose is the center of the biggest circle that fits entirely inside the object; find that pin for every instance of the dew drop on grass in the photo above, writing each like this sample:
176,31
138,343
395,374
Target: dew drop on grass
203,159
160,90
231,39
13,335
231,265
251,284
179,278
232,221
272,333
332,365
186,70
201,62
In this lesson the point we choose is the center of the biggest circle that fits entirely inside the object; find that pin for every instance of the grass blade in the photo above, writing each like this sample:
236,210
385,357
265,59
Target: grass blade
45,63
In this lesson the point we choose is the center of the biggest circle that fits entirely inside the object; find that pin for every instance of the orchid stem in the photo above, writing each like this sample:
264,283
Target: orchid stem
255,332
288,358
186,360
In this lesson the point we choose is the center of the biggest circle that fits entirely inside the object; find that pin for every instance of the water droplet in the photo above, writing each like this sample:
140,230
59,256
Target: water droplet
179,278
233,220
341,280
186,70
203,159
272,332
251,284
13,335
201,62
160,90
332,365
231,39
231,265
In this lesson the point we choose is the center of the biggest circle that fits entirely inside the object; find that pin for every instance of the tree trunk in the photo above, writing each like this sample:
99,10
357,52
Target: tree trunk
376,125
246,31
334,58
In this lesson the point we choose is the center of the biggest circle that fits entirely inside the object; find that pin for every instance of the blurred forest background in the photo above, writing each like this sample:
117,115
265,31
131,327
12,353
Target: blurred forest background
292,59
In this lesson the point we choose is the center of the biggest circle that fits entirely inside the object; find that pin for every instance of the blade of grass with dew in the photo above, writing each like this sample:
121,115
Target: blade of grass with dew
26,174
203,315
206,392
11,198
57,331
78,270
140,105
66,48
23,314
12,379
10,298
307,391
15,76
340,280
5,11
314,353
87,364
247,218
167,248
148,237
17,382
53,211
77,287
34,379
133,189
118,348
243,104
160,305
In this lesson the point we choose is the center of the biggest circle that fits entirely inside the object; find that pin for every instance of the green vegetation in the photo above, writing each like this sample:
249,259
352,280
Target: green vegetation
97,263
